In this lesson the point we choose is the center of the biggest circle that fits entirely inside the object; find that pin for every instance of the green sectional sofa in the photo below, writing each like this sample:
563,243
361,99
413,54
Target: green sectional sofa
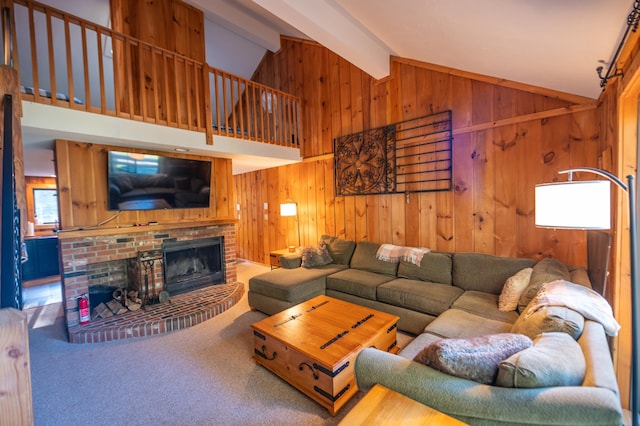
453,297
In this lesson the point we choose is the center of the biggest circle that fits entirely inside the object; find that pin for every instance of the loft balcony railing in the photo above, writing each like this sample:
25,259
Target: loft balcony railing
69,62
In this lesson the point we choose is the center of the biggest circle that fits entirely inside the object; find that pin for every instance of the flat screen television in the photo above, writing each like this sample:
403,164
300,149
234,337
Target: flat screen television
154,182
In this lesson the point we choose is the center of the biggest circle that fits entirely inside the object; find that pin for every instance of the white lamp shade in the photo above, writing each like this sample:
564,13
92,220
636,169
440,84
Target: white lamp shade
574,205
288,209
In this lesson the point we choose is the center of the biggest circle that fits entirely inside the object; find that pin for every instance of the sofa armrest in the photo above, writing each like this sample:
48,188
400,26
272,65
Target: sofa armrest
290,261
476,403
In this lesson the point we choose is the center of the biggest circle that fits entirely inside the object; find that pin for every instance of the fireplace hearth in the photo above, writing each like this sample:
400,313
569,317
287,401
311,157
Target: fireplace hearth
95,260
189,265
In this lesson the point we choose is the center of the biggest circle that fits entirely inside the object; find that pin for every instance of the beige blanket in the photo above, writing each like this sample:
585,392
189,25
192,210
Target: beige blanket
393,253
576,297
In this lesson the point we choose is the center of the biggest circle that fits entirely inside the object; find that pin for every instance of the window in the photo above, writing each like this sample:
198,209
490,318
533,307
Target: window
45,206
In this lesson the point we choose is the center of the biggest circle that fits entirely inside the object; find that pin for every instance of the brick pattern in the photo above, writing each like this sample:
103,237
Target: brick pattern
181,311
84,257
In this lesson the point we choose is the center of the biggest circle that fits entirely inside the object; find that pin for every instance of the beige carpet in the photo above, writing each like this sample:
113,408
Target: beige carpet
203,375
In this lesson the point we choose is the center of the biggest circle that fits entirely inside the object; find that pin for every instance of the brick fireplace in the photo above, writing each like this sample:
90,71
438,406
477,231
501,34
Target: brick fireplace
100,259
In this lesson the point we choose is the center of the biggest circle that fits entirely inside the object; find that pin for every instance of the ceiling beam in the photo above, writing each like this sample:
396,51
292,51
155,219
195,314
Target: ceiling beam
327,23
239,22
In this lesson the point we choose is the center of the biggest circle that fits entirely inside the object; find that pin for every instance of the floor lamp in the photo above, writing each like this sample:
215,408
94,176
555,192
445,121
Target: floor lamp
586,205
290,208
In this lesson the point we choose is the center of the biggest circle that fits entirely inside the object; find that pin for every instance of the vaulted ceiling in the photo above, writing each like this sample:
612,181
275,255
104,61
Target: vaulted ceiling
556,44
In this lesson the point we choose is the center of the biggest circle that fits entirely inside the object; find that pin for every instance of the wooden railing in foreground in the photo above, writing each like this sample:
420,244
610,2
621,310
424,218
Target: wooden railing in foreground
69,62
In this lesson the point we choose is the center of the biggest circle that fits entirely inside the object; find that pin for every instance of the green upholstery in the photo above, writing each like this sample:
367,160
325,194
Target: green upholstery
435,267
430,298
485,272
364,258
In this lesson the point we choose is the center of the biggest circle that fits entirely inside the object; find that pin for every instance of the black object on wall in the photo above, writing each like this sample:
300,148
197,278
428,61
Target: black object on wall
10,266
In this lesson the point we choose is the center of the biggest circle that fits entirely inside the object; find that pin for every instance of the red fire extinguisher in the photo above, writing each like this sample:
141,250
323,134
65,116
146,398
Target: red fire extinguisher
83,307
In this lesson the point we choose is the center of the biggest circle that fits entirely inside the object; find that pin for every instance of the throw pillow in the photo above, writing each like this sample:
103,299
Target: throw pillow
339,249
312,257
545,271
555,359
550,319
477,358
513,288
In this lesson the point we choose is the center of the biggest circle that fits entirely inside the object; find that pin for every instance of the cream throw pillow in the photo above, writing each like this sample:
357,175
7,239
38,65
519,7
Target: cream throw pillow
513,288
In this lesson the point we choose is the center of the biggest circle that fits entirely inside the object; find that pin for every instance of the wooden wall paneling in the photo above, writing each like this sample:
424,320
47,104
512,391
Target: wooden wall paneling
256,207
507,176
81,171
398,230
287,176
326,134
410,94
507,159
427,220
481,183
461,231
224,187
330,198
263,183
412,219
85,168
385,231
445,225
365,101
242,234
361,218
556,148
272,184
345,99
63,174
530,160
244,213
306,201
372,217
321,202
407,94
309,109
281,230
484,193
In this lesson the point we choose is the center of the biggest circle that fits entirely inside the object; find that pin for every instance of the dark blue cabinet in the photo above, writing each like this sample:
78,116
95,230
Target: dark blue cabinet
43,258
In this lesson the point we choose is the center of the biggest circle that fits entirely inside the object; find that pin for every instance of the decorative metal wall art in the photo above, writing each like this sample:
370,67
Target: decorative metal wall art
410,156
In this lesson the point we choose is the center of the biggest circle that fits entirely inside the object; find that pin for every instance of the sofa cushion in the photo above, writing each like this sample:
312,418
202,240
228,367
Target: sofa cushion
550,319
315,256
513,288
357,282
339,249
364,258
290,261
421,341
485,272
484,305
435,267
292,285
555,359
477,358
455,323
545,271
421,296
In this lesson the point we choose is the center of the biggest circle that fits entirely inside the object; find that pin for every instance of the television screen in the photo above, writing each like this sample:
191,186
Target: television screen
154,182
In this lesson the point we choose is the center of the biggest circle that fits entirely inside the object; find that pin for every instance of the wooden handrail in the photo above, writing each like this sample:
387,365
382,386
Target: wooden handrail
139,81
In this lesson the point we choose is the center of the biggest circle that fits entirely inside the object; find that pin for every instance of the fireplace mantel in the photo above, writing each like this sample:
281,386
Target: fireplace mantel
130,229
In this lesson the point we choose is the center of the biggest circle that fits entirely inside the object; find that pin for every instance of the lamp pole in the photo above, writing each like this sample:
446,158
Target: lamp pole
629,188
